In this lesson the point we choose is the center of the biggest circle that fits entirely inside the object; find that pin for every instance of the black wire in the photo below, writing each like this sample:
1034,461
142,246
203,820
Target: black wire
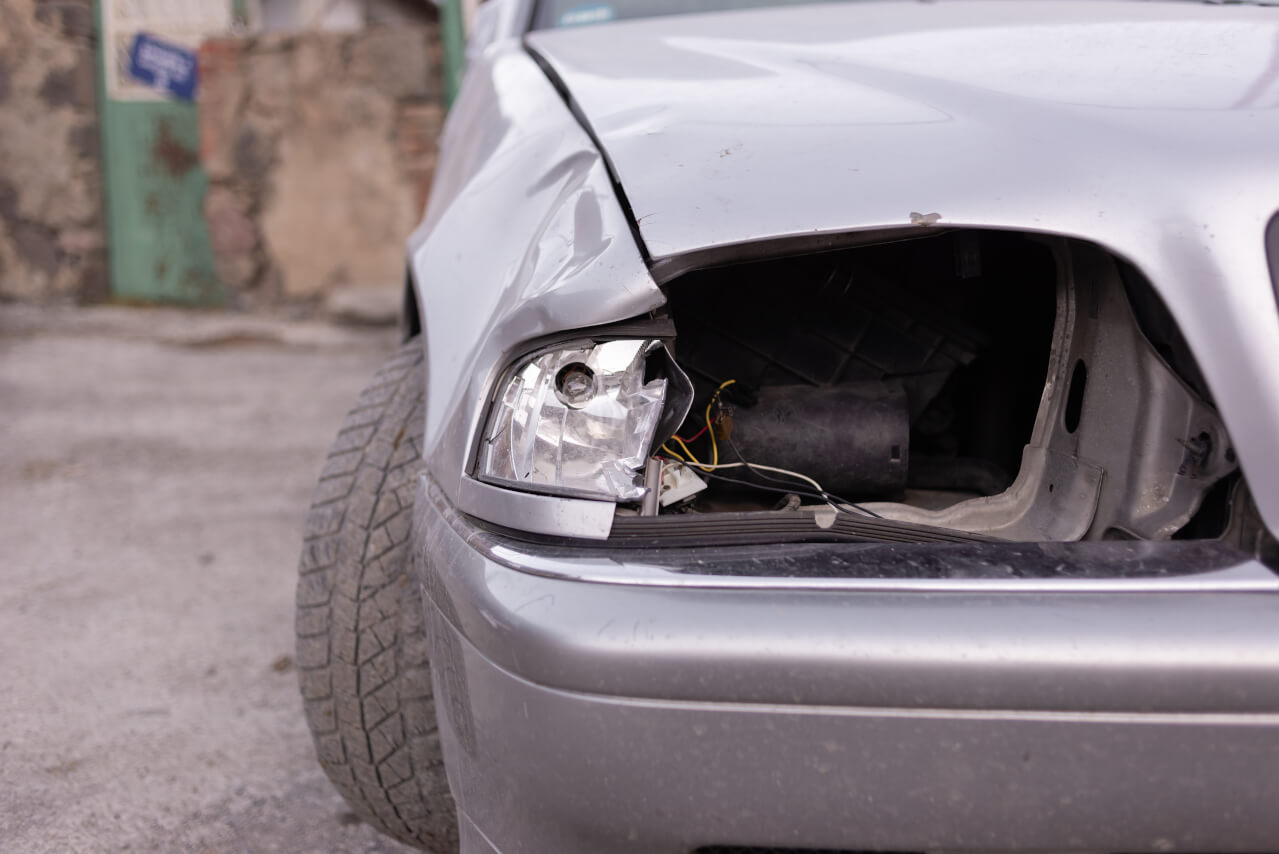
753,485
828,497
824,497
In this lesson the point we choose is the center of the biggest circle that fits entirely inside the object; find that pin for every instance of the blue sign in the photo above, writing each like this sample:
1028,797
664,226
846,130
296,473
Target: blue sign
165,66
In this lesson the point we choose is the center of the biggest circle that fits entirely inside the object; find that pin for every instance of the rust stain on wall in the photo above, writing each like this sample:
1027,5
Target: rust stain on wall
176,158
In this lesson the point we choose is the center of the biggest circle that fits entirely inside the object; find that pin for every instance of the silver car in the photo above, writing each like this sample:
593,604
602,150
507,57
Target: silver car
835,427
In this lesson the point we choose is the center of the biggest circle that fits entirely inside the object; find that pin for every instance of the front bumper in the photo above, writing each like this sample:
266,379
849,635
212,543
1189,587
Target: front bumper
590,716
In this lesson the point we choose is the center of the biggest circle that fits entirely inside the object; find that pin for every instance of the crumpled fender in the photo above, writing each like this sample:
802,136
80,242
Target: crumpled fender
524,238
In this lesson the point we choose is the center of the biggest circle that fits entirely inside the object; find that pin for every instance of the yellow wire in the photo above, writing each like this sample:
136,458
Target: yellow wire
692,458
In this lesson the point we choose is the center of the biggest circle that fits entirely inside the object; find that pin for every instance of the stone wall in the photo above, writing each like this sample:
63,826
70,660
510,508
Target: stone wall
319,149
52,239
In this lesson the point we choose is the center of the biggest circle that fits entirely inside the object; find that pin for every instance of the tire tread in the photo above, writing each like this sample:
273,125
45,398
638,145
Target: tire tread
363,668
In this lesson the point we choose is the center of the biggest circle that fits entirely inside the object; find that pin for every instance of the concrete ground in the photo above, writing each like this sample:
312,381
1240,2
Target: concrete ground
155,467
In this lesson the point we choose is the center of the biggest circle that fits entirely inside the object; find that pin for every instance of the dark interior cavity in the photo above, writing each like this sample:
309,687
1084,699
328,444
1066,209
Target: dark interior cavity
895,371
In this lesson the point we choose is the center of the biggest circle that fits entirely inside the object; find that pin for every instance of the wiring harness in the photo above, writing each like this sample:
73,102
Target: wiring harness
717,427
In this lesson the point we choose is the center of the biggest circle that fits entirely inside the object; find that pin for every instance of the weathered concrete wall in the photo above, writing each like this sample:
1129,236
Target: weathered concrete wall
319,149
52,239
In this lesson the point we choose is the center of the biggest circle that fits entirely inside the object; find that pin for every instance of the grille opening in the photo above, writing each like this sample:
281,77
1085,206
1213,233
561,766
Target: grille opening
960,386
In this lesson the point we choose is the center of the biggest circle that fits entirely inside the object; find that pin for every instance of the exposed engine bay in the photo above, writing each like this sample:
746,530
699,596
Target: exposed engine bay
1006,385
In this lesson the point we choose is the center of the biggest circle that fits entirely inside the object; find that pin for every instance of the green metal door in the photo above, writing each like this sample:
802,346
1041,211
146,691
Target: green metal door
453,35
154,185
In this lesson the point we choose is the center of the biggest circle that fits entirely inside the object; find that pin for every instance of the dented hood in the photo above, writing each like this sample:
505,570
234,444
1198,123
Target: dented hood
1065,115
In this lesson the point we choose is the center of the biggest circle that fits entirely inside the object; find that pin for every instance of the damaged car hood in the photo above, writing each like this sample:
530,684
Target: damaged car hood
1063,116
1148,128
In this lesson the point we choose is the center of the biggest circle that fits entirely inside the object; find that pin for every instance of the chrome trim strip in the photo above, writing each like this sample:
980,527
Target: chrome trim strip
537,514
1250,577
571,517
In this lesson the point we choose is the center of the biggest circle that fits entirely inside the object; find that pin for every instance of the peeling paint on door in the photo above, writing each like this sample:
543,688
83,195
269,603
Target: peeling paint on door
159,244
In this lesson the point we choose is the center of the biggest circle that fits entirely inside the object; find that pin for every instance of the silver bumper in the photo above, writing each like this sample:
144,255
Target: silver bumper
587,716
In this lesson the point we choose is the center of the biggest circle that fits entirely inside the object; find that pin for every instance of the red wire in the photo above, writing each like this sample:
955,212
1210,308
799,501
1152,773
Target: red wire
697,436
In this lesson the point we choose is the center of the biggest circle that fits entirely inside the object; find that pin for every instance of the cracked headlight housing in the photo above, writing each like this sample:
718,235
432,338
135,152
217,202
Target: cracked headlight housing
576,421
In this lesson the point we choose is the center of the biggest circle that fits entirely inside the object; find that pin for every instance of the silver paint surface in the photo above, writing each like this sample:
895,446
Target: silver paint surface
584,717
1193,649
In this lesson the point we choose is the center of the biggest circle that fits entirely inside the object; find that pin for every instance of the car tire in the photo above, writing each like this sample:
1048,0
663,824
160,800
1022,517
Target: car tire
361,637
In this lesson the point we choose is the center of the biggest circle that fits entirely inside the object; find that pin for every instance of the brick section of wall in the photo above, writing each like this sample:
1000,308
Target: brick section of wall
320,148
52,235
416,129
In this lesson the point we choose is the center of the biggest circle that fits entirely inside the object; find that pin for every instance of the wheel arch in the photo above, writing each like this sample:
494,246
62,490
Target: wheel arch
410,308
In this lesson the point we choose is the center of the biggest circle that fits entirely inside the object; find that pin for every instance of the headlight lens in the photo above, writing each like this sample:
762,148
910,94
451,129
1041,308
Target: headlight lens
577,421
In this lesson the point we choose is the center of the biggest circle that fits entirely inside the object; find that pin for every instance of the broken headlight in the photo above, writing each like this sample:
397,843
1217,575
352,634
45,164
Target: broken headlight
576,421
